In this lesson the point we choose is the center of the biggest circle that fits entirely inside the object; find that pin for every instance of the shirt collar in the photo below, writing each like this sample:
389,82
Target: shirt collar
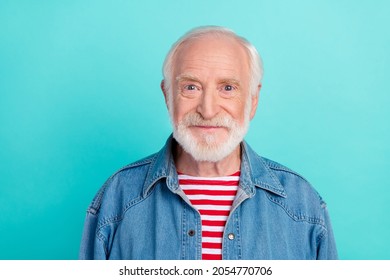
254,171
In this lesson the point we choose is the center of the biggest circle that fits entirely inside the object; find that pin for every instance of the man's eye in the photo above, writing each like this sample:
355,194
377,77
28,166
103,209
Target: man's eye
190,87
228,88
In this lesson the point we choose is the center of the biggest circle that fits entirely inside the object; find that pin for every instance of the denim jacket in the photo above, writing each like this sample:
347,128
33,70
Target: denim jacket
142,213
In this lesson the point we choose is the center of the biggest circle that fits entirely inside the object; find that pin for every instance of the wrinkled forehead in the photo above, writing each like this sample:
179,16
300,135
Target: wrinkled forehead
212,48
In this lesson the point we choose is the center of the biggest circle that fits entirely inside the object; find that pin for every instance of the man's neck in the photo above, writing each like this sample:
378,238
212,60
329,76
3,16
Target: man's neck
186,164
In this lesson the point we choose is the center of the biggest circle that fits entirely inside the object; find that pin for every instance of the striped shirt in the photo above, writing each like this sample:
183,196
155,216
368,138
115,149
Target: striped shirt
213,197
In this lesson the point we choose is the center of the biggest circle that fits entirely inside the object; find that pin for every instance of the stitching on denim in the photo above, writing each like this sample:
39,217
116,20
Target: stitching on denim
183,230
156,176
102,238
145,161
321,236
304,218
285,169
117,218
238,234
152,185
275,165
113,220
278,190
270,187
95,205
110,220
97,200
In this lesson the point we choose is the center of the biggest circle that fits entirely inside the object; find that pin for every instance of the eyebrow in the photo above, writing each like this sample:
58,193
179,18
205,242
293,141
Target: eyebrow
188,77
230,81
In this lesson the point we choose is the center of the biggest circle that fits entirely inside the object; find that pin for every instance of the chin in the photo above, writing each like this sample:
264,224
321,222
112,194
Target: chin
210,147
207,148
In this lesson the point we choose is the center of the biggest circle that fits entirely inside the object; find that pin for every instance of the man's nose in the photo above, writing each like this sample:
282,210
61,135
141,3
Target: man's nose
208,105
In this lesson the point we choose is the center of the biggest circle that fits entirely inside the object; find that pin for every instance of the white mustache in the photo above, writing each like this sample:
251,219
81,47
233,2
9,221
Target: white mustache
195,119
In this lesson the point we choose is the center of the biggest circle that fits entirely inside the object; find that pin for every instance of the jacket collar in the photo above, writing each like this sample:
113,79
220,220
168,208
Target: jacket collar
254,171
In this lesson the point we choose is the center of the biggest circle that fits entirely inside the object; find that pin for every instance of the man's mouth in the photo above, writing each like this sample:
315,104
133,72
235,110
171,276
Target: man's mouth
208,128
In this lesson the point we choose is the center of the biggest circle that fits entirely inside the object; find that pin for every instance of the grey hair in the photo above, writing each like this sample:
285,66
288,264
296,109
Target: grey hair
255,62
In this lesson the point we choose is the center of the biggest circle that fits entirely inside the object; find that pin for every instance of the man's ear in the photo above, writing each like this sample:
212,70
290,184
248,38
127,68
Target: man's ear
165,92
255,102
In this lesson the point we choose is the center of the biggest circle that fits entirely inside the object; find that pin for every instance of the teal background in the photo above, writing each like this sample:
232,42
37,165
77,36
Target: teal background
80,97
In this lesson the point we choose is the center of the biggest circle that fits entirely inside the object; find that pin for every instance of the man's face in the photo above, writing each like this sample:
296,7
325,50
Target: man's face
210,102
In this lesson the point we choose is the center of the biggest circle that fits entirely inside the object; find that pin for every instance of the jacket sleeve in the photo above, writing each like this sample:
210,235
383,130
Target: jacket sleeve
92,247
327,245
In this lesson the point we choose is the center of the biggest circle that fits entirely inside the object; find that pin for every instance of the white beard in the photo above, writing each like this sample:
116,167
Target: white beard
207,148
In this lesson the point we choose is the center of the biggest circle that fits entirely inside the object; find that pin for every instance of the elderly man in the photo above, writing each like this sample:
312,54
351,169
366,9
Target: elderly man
207,194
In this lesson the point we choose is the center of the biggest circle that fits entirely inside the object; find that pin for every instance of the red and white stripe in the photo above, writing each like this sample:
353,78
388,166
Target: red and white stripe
213,197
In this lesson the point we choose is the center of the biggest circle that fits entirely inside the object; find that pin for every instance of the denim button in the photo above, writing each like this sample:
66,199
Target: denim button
191,232
231,236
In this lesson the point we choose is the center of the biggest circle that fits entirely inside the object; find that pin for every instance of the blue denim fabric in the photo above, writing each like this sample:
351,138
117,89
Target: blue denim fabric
141,213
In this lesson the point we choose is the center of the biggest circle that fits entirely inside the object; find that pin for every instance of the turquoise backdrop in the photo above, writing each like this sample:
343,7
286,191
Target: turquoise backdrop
80,97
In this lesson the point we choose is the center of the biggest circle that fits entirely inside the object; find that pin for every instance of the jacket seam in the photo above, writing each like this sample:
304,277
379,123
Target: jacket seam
322,235
141,162
101,238
289,171
96,203
300,218
118,218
